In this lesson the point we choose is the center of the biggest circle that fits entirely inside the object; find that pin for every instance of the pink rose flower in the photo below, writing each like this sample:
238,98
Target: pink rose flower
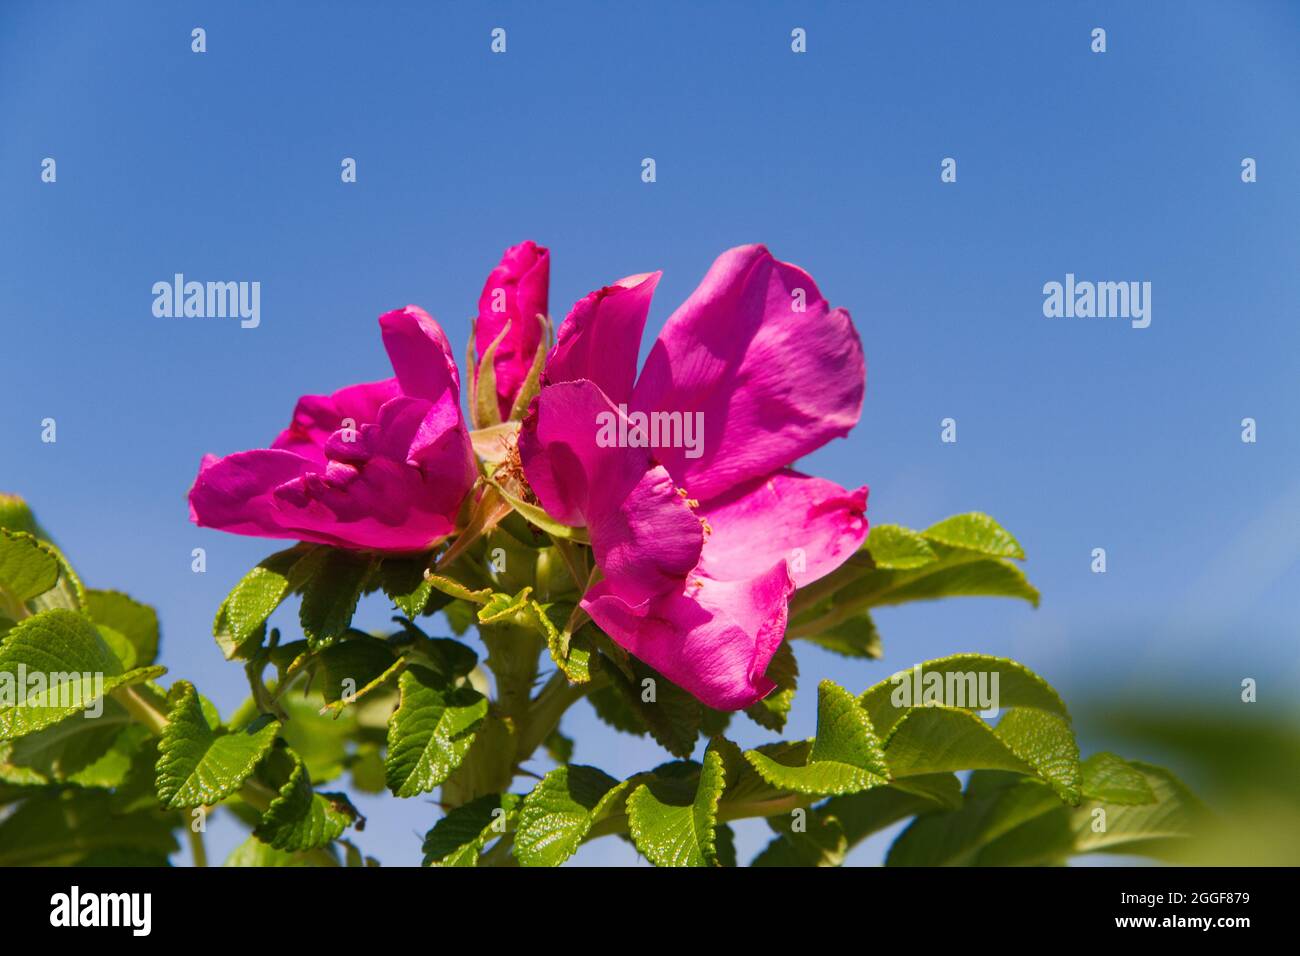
381,466
516,293
682,476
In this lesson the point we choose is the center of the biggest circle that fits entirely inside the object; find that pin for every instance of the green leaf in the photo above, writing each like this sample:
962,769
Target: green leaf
894,548
54,664
945,839
253,852
813,839
501,608
1007,821
966,555
944,739
837,825
299,818
487,410
558,747
538,516
672,716
459,837
430,732
62,828
64,749
1112,779
1156,828
447,658
15,515
197,766
976,532
330,595
613,708
137,622
319,737
575,659
557,815
242,615
453,588
410,591
965,681
673,820
845,757
854,637
348,670
783,670
27,567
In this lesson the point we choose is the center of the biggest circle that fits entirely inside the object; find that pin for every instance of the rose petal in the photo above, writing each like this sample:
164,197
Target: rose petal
420,353
772,383
715,639
600,338
316,417
516,291
814,524
644,535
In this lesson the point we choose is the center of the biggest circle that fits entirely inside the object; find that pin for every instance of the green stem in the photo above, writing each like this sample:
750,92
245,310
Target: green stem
11,607
500,854
557,696
197,849
142,709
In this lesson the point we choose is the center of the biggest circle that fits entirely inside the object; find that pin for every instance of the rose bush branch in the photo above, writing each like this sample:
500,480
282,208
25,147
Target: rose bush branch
634,537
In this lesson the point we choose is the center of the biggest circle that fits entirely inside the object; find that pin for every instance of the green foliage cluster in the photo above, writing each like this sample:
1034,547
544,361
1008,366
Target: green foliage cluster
412,714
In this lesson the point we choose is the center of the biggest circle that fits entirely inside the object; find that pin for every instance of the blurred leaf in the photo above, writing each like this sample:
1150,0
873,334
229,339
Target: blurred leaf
137,622
74,666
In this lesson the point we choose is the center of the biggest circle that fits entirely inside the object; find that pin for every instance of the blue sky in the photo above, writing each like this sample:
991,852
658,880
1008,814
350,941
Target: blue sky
1075,433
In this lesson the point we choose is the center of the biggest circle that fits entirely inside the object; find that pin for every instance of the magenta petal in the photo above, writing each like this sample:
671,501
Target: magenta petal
649,542
814,524
564,460
383,466
516,291
235,493
600,338
316,417
380,505
773,382
644,534
715,638
421,354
